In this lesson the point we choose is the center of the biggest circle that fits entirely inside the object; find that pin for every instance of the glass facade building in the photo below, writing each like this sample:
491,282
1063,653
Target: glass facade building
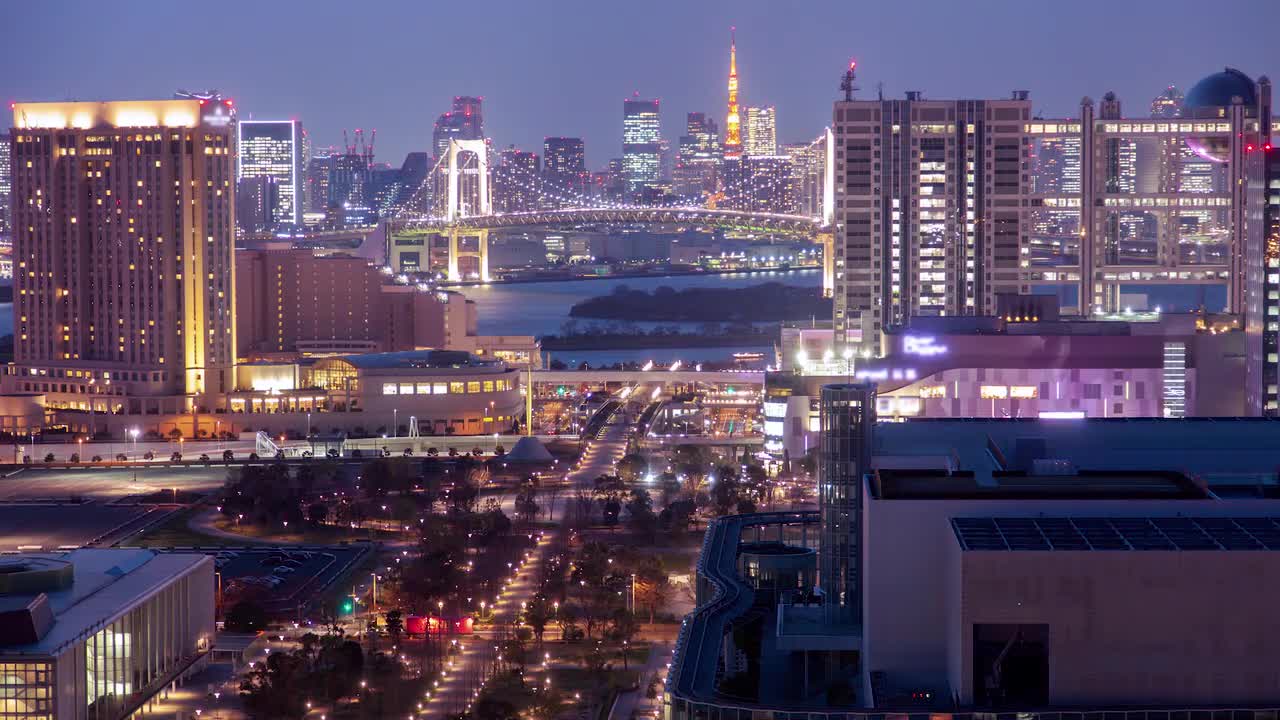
641,136
273,148
848,416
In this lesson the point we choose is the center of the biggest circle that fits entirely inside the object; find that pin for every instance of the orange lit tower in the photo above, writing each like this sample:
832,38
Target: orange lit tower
733,124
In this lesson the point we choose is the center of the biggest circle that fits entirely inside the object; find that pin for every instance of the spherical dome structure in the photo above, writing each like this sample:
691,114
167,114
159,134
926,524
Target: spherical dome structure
1203,99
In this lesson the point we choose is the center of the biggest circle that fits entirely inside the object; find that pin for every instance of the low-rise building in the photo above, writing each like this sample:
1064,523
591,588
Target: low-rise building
98,634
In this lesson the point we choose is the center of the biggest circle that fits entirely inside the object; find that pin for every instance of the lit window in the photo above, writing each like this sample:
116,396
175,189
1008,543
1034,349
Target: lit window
1024,392
993,392
933,391
390,389
441,388
473,386
457,388
488,386
424,388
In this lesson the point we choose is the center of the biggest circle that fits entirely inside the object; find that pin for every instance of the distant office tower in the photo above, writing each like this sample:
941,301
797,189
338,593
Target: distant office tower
123,227
564,172
516,185
318,169
6,183
929,220
765,185
762,131
733,120
641,132
808,175
848,418
609,183
351,183
1167,104
274,148
257,199
465,121
698,159
413,190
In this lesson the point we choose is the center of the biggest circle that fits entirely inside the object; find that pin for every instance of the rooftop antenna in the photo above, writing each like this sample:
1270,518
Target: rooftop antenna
847,84
880,90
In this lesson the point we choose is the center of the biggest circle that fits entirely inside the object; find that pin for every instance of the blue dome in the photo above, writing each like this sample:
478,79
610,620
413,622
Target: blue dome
1218,89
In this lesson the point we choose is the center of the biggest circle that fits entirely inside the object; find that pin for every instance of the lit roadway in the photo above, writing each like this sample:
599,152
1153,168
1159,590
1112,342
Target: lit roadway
451,695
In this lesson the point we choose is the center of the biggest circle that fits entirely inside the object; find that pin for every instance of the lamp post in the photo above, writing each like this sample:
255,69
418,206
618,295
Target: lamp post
395,422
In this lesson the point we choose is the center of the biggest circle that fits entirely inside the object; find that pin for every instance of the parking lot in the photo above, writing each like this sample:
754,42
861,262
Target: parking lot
48,527
281,578
107,484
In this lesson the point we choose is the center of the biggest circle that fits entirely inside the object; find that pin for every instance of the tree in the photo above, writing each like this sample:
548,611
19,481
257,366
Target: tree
395,625
277,687
246,616
526,502
609,490
640,516
537,614
632,467
622,628
317,513
652,585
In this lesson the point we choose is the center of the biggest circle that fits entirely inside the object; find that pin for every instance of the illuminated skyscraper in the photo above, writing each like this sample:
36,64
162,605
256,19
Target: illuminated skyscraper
762,132
564,171
318,179
274,148
125,285
1167,104
733,122
516,184
641,134
698,160
6,183
465,121
931,218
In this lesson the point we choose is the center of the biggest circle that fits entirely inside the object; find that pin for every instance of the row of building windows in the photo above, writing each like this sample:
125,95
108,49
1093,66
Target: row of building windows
449,388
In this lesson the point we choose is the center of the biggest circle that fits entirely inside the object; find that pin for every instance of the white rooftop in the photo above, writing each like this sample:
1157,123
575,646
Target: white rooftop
108,583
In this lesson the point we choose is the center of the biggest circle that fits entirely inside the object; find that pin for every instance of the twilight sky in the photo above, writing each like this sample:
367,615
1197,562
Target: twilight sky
562,67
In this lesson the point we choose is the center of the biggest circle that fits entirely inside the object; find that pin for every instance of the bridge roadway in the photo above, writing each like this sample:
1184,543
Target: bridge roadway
727,219
659,376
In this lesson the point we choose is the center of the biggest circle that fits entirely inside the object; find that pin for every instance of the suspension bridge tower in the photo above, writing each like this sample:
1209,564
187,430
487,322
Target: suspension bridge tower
474,164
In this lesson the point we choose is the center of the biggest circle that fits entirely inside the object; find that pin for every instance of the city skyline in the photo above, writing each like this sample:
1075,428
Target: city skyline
523,92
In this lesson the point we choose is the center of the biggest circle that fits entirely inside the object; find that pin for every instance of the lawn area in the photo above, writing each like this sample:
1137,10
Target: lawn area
175,532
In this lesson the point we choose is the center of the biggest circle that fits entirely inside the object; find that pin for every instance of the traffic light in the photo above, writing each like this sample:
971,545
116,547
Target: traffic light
348,607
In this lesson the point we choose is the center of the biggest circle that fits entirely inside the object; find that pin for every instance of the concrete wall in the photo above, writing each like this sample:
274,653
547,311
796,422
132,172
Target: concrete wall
906,591
1190,627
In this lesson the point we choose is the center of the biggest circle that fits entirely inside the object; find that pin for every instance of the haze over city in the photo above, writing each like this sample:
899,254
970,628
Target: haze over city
562,68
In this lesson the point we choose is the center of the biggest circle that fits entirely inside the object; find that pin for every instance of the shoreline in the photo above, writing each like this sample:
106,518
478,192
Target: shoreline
624,276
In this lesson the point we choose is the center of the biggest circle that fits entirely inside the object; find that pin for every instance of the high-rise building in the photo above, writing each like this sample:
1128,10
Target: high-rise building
641,133
608,183
1269,378
564,171
1167,104
6,183
257,198
766,185
275,148
808,182
464,121
351,183
848,419
516,185
929,209
318,169
123,239
762,131
733,121
698,159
